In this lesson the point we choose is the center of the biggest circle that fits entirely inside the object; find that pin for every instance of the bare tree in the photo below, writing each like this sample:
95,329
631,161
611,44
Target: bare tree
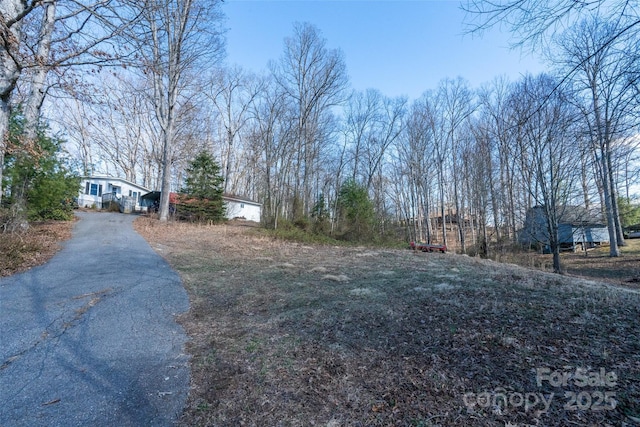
13,13
414,164
75,117
494,128
603,79
479,181
42,36
361,114
41,67
548,143
118,127
314,79
588,46
375,122
535,22
272,137
175,36
457,106
232,92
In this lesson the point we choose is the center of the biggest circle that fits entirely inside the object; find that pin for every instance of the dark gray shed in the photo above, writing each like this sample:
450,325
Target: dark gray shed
577,228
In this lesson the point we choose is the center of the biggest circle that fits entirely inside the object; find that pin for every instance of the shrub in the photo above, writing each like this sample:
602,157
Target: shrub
355,212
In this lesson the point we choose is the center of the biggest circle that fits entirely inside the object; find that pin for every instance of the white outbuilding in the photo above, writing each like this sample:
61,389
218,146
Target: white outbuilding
242,208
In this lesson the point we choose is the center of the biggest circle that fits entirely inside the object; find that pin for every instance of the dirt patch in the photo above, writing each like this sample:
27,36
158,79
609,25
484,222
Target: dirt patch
410,339
22,251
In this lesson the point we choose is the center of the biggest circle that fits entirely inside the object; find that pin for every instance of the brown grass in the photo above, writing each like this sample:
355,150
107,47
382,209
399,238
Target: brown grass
595,264
22,251
290,334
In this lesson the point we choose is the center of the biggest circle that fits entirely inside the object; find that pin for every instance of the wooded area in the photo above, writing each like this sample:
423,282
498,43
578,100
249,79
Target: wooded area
138,89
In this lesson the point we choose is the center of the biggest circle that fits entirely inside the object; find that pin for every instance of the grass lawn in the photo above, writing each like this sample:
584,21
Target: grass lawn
295,334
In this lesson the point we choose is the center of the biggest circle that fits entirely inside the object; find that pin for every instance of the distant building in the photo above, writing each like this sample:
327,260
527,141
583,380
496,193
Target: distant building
577,228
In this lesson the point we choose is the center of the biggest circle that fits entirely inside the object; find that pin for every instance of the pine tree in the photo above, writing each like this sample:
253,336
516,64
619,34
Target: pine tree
202,194
356,211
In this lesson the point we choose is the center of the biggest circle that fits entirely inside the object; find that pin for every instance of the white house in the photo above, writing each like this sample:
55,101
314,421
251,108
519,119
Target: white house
97,191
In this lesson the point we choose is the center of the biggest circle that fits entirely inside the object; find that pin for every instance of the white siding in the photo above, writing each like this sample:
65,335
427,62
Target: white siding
242,209
93,187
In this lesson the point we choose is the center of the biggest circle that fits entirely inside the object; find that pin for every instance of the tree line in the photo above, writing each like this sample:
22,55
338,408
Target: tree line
459,165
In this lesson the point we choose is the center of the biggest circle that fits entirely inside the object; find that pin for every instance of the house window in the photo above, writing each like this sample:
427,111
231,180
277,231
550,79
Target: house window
134,194
241,205
94,190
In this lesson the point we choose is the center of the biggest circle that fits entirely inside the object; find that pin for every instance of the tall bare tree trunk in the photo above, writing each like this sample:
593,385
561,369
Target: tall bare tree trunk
38,89
12,12
603,155
614,206
173,46
165,190
32,108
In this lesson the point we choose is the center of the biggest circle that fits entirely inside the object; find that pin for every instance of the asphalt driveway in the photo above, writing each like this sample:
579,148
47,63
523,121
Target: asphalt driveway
90,338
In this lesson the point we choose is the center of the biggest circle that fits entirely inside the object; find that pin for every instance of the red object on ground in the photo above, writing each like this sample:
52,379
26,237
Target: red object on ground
427,247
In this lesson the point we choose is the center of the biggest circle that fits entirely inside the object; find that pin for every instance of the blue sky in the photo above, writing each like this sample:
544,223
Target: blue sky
398,47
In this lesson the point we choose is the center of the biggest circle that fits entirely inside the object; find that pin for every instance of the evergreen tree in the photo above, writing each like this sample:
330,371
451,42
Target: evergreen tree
39,180
629,212
204,179
202,198
356,211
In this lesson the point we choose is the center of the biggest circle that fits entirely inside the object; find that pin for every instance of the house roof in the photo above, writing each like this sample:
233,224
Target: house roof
113,178
578,215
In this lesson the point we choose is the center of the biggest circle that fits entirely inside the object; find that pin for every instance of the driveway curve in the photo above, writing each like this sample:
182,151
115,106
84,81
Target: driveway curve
90,338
